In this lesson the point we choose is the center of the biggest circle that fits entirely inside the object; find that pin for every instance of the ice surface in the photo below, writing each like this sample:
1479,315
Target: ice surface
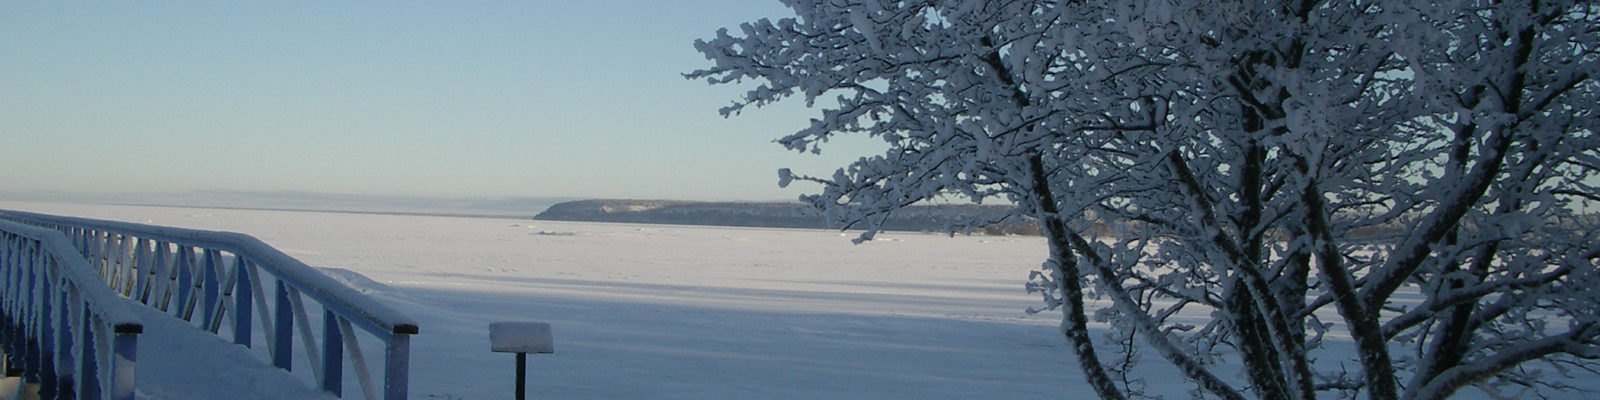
677,312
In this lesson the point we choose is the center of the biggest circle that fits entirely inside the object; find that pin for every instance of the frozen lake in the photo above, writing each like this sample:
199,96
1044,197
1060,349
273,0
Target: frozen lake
677,312
690,312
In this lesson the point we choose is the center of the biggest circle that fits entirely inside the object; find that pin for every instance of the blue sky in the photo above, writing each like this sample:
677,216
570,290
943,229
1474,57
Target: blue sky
460,99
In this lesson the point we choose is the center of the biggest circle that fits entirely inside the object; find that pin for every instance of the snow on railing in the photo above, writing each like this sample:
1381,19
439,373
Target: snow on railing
214,280
62,327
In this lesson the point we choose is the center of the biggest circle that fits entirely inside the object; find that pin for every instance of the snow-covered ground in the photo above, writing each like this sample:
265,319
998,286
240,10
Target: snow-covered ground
656,311
682,312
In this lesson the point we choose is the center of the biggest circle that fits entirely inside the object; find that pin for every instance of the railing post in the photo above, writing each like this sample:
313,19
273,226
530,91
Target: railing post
397,358
83,241
185,266
68,308
52,327
13,363
332,355
209,289
13,331
88,363
242,296
101,253
30,313
148,279
15,345
136,277
282,329
129,257
97,249
125,357
119,260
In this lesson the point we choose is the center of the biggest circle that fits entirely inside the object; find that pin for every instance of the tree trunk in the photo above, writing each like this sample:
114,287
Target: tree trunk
1075,324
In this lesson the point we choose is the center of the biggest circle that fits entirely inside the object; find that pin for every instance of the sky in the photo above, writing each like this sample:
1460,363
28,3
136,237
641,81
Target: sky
445,99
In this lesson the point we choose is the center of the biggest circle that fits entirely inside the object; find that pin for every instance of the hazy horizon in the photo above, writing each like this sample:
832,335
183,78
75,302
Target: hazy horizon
498,99
322,201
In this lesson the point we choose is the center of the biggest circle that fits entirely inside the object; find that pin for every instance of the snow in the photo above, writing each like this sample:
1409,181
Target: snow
672,312
521,337
176,361
659,311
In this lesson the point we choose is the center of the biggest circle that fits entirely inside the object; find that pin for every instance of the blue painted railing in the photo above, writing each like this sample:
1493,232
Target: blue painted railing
215,280
63,328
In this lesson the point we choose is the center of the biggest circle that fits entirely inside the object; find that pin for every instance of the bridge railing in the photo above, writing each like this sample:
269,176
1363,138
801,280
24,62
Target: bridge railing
220,281
63,329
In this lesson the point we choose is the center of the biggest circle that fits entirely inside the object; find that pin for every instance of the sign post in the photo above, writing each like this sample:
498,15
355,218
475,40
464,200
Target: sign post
521,338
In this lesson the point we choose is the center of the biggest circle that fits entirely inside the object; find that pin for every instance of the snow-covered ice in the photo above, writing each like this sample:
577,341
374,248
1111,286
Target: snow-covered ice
684,312
657,311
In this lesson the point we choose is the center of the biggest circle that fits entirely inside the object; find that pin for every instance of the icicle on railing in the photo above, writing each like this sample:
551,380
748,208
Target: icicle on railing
219,282
63,330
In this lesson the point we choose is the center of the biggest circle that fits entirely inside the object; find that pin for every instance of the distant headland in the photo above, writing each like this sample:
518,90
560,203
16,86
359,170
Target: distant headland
930,218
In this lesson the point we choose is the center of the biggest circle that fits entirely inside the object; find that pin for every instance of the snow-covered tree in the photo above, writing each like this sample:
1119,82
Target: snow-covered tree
1422,178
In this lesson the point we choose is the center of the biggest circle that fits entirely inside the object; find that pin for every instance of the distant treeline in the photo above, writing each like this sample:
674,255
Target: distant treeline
935,218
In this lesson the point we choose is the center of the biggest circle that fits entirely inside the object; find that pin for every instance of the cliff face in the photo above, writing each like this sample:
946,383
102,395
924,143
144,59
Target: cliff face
770,215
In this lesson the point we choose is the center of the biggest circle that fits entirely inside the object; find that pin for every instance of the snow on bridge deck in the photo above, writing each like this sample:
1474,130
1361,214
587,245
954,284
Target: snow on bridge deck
178,361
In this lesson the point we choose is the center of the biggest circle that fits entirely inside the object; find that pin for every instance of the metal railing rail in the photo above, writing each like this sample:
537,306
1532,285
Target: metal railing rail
214,280
64,330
